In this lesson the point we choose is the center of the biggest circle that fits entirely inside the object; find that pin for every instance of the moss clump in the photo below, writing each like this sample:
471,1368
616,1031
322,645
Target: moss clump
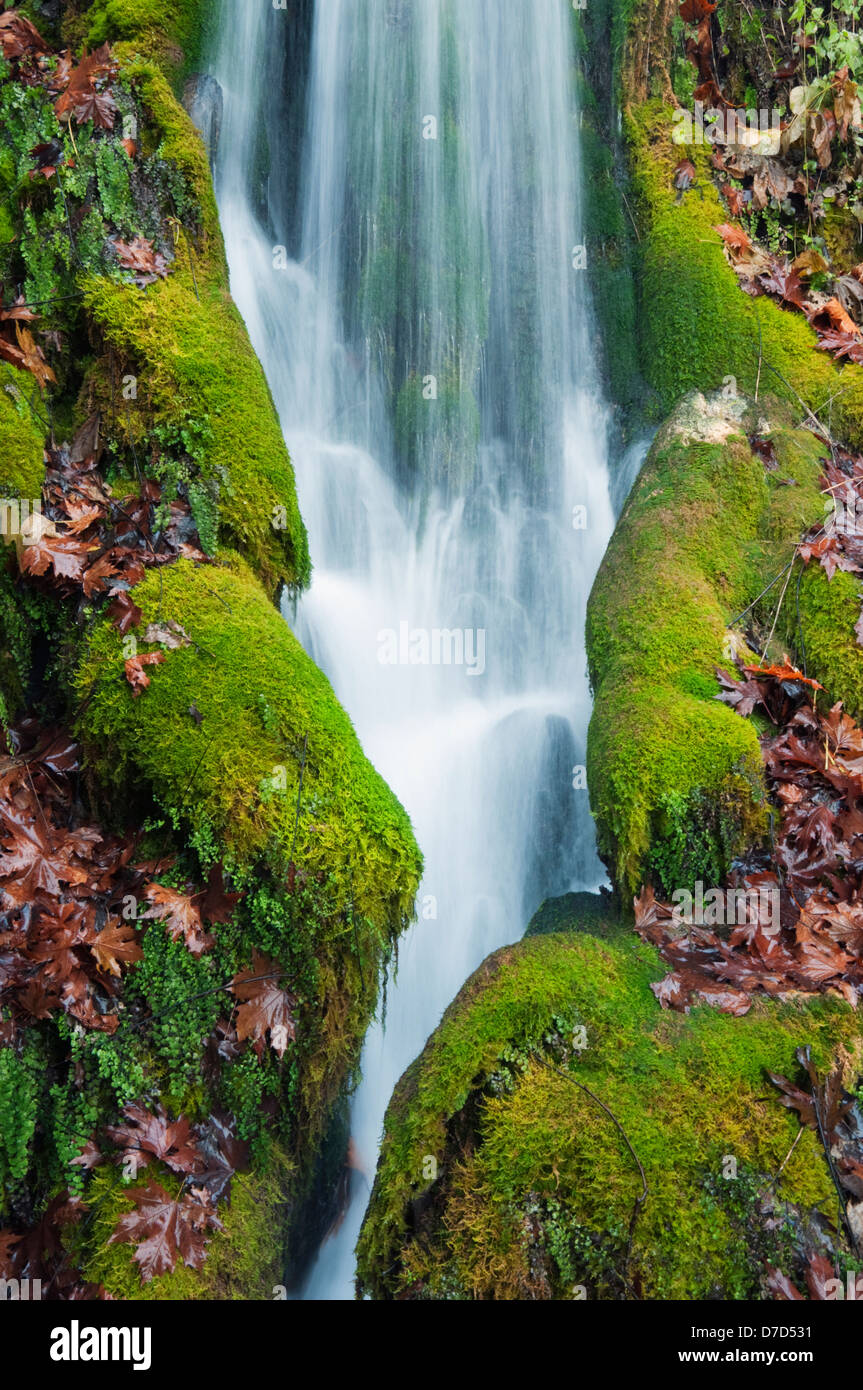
174,31
675,777
829,611
234,777
22,438
244,1261
697,326
193,361
535,1186
585,912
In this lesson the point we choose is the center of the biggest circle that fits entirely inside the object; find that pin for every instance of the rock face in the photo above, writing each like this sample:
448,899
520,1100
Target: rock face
502,1177
204,101
675,776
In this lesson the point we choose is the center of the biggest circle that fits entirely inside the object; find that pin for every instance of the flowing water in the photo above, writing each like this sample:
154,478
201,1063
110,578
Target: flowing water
413,288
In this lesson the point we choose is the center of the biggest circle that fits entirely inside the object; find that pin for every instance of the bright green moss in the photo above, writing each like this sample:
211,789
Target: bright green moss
688,1090
22,437
175,137
193,359
187,345
244,1261
697,325
235,776
829,611
158,27
675,776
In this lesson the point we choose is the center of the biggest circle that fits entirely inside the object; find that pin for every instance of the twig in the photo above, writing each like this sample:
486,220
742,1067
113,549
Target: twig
299,798
800,623
742,615
779,608
631,218
642,1196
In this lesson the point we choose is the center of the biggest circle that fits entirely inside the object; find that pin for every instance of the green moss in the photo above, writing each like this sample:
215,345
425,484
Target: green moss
673,772
829,611
675,776
585,912
512,1138
244,1261
22,437
697,325
235,777
176,31
186,344
193,359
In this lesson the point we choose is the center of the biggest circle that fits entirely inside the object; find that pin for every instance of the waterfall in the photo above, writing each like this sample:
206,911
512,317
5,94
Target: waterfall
423,319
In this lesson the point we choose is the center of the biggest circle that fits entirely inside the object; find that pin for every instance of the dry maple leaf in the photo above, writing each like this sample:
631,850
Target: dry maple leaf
96,576
832,316
65,556
267,1009
784,282
742,696
18,36
182,919
693,11
98,107
144,1135
734,236
134,669
170,634
785,672
138,256
115,945
33,357
164,1229
217,904
37,859
123,612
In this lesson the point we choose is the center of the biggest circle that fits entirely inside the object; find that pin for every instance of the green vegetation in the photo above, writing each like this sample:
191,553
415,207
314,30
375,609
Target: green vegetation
675,776
235,776
22,441
534,1186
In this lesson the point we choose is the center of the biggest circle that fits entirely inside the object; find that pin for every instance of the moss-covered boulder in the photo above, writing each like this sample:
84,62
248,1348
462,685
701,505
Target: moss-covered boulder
675,776
264,716
501,1179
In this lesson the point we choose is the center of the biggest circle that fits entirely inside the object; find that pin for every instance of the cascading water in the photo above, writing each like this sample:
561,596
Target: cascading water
426,342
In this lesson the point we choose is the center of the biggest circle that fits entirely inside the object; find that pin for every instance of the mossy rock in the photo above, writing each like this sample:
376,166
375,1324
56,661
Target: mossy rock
675,776
187,346
499,1179
176,32
698,328
245,1260
584,912
234,778
193,361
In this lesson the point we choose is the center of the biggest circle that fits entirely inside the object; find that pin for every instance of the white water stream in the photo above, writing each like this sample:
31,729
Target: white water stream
433,248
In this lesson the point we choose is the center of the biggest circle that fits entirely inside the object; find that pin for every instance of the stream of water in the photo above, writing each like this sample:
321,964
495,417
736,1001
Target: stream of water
423,320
